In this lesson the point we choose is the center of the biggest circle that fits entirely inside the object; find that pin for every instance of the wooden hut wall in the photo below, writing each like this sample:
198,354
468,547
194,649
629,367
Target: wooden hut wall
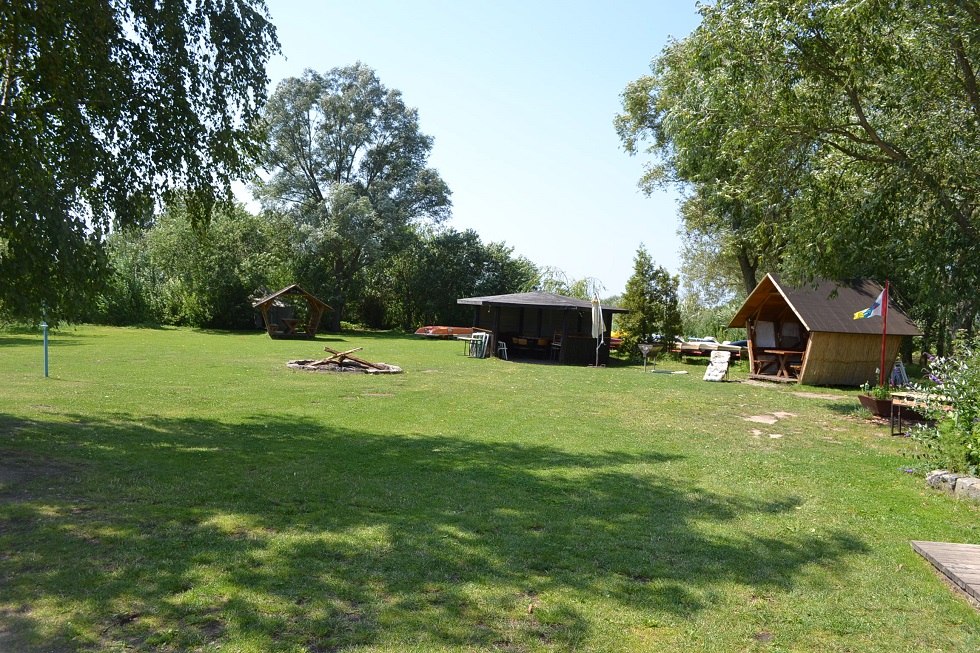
484,317
845,358
551,323
510,319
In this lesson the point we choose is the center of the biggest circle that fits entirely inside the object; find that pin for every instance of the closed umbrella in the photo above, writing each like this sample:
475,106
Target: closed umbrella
598,326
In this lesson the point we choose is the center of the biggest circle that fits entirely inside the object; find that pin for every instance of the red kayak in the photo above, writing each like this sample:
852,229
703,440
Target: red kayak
443,331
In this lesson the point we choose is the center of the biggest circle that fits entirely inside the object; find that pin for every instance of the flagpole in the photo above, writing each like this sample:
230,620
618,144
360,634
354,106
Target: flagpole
884,333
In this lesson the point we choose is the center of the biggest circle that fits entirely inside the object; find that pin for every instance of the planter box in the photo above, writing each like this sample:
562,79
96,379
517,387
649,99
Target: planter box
878,407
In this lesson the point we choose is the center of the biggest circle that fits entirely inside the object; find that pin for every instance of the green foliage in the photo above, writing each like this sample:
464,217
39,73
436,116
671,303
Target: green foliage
831,140
954,403
702,320
651,298
876,391
106,107
346,161
421,283
132,291
556,281
173,273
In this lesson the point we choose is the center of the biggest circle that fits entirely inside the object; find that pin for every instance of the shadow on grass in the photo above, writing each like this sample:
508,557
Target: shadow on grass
176,533
55,339
847,409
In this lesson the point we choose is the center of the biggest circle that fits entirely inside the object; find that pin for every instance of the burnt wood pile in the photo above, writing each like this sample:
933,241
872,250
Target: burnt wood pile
343,361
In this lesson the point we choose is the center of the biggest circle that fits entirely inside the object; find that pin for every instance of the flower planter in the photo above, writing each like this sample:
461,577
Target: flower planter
878,407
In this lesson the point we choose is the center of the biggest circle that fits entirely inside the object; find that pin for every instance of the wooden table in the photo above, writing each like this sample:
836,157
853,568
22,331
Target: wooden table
782,358
290,324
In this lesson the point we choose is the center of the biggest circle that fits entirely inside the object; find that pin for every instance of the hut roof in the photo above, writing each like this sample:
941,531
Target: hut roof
537,300
289,290
828,306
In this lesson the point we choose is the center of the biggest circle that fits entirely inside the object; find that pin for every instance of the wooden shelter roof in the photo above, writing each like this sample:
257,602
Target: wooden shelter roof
289,290
828,307
537,300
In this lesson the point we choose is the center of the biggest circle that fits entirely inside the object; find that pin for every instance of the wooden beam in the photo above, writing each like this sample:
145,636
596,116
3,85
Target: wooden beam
347,355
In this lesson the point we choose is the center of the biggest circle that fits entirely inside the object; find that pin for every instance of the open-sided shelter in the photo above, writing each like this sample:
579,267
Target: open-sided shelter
279,318
809,334
542,325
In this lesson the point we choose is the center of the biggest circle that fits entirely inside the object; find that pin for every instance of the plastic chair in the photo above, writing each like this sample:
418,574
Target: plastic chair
502,350
480,345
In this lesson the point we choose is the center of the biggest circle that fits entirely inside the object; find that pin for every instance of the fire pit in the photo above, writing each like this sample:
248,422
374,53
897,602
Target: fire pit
343,361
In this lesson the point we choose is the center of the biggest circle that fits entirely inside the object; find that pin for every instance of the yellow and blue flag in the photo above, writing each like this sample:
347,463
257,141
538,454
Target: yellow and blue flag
874,309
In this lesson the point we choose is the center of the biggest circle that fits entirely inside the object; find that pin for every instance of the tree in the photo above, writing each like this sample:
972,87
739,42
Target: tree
346,160
172,273
651,298
554,280
105,108
421,283
209,280
827,139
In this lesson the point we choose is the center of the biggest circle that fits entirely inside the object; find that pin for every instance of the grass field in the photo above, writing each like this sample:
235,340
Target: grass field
172,490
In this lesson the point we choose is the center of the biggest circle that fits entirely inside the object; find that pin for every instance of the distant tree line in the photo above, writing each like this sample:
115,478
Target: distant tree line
171,272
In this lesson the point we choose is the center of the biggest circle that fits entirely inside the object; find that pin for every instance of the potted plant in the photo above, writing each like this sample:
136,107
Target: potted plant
877,399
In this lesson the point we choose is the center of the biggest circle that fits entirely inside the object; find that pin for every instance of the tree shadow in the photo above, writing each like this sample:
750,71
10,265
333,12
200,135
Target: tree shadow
695,361
846,409
178,533
55,339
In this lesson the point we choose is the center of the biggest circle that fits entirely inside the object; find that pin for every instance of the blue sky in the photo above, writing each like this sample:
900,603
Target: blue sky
520,99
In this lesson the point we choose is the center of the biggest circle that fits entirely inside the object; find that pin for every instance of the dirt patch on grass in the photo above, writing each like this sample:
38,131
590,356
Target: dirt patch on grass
818,395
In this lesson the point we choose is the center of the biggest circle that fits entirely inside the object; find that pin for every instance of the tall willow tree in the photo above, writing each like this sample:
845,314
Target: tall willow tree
828,139
346,160
105,108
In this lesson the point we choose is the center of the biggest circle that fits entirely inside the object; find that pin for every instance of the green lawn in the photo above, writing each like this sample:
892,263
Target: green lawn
173,490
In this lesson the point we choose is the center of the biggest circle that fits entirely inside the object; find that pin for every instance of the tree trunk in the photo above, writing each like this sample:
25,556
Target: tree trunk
336,315
907,350
747,266
927,332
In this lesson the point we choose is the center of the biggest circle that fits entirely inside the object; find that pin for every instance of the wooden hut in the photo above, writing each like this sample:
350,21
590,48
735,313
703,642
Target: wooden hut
541,325
809,334
278,315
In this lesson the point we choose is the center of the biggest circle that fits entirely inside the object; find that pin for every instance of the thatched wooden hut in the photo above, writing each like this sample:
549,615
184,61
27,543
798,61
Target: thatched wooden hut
542,325
809,334
278,314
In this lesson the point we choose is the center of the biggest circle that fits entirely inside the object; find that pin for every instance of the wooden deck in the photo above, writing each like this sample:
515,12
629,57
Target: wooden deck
960,563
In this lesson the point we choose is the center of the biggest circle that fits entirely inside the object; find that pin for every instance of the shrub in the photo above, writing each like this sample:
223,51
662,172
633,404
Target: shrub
876,391
953,403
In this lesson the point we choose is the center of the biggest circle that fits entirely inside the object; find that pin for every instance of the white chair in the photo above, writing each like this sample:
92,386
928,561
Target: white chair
502,350
479,349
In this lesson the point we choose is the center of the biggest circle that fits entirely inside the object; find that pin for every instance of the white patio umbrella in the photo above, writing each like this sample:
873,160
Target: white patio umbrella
598,326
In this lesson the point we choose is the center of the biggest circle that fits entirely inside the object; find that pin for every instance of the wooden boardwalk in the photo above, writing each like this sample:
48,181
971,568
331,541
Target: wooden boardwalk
960,563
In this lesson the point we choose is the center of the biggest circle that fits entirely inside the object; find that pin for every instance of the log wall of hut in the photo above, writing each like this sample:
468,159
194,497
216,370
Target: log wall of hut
573,327
846,359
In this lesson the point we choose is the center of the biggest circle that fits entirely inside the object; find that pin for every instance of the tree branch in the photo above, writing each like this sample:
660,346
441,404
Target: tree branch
969,77
890,150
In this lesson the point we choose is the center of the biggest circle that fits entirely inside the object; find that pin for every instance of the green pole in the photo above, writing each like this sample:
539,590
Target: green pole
44,328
